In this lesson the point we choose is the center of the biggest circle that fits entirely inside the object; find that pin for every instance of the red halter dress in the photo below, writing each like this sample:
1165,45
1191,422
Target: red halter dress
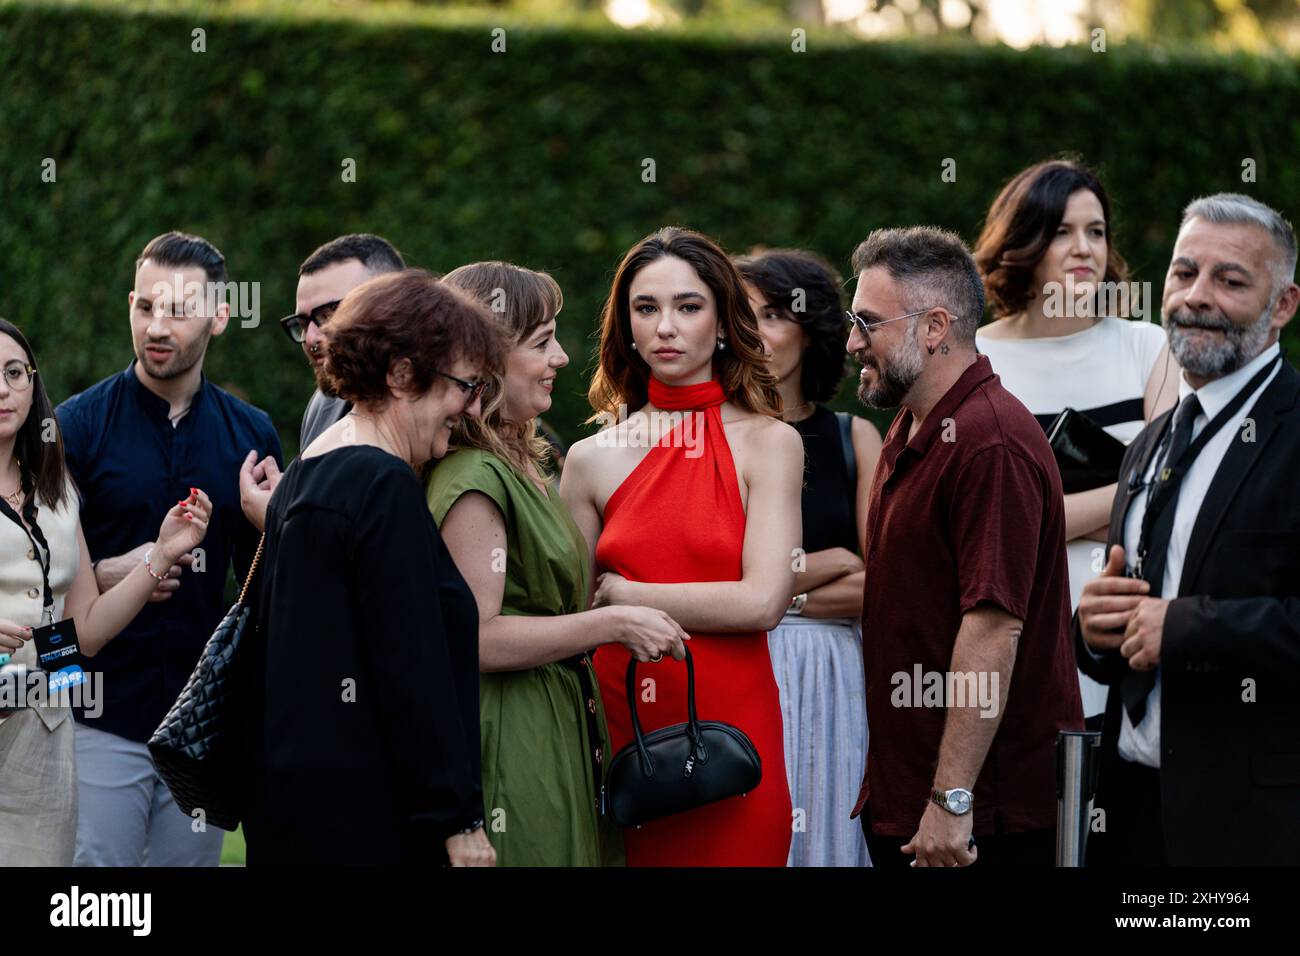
678,518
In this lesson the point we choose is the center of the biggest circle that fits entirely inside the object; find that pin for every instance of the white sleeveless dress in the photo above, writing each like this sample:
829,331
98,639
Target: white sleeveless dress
1102,372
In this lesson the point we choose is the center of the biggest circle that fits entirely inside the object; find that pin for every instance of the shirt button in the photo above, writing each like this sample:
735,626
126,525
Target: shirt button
591,705
31,554
32,592
599,755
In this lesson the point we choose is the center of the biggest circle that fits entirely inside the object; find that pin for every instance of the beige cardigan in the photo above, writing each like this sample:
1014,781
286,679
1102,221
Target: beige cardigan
21,594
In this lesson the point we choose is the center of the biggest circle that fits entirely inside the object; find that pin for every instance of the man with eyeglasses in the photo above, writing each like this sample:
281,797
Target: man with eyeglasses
966,606
324,278
135,444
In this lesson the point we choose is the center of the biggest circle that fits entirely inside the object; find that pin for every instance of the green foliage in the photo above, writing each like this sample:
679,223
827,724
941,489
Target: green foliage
535,156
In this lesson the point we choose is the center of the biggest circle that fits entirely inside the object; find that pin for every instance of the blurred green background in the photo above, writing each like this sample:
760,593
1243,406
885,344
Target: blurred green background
535,154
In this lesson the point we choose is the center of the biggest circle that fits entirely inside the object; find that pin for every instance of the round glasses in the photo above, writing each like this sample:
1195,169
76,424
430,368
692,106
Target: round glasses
19,375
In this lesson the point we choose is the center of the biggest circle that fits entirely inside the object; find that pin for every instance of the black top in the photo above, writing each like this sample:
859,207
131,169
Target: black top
828,503
367,747
131,466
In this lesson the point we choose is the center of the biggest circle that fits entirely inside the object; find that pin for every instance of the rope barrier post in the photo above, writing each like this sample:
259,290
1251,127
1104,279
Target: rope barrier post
1077,753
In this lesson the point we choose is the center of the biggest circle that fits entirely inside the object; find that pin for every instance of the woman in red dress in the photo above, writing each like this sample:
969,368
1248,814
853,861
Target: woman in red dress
691,505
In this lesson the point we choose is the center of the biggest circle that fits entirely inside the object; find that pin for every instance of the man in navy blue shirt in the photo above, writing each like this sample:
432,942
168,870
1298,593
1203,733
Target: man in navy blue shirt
136,443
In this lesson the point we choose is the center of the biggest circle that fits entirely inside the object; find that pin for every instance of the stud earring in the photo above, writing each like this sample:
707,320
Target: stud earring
930,349
633,346
722,345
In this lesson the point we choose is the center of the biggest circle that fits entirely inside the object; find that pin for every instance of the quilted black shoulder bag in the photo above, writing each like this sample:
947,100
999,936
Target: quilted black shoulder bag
195,746
681,767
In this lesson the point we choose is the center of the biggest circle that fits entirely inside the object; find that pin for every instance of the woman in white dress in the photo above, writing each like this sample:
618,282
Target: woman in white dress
817,649
1055,282
45,577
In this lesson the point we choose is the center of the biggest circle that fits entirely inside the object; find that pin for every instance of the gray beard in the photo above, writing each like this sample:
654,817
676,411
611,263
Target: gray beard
896,377
1238,347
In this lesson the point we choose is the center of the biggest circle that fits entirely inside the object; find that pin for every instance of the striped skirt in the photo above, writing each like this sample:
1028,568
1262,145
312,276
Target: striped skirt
818,668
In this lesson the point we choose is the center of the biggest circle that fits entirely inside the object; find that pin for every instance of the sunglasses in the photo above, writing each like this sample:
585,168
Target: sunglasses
295,326
472,390
852,320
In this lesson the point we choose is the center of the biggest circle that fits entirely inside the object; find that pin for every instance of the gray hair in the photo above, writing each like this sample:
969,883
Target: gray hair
935,268
1236,209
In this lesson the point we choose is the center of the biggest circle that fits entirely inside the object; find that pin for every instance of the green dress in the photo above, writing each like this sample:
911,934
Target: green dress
539,788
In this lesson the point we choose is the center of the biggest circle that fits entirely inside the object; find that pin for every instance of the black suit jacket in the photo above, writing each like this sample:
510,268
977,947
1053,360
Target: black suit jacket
1230,653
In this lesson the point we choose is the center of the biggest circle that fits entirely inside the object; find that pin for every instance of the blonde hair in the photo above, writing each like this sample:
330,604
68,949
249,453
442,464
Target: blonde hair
520,300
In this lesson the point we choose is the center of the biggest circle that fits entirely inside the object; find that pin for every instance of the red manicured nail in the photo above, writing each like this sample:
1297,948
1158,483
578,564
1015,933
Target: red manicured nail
189,517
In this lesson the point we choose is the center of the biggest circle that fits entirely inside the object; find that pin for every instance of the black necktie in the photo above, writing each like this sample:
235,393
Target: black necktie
1162,502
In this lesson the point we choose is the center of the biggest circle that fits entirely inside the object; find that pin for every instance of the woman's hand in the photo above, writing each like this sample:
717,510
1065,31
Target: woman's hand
257,482
12,635
183,528
648,633
611,588
471,849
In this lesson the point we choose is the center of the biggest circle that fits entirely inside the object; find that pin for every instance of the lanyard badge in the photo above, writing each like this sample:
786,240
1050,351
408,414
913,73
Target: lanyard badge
59,653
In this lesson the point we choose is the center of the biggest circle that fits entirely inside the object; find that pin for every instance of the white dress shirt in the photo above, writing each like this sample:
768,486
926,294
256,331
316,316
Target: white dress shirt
1141,744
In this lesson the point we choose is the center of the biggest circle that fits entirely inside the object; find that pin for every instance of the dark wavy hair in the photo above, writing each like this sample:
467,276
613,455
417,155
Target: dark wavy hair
410,315
777,274
43,467
623,377
1021,224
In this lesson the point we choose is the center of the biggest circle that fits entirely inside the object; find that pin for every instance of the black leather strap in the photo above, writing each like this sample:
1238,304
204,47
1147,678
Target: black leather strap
42,548
692,718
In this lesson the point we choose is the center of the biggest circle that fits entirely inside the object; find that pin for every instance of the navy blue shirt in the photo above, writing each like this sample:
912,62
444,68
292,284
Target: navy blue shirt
130,466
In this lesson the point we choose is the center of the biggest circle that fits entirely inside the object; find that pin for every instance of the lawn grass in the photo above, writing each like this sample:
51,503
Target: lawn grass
232,848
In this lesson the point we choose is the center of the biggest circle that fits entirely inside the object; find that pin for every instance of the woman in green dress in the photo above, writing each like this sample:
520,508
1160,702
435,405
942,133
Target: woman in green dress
545,745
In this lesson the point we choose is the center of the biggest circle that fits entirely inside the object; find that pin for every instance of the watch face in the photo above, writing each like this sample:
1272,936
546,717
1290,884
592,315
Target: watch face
958,801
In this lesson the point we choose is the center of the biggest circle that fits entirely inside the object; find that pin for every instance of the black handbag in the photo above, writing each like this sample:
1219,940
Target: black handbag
195,747
678,768
1087,455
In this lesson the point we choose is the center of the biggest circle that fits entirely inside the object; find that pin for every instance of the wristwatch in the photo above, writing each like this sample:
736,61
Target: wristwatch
797,602
956,801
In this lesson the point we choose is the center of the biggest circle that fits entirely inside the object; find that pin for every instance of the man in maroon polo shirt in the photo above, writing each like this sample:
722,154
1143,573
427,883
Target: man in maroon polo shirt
966,611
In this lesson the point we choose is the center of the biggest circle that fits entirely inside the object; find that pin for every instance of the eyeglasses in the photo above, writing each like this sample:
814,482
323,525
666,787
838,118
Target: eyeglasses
19,375
858,322
472,390
295,326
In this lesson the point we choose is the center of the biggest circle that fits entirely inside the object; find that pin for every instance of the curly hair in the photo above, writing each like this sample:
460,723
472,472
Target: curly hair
411,315
793,277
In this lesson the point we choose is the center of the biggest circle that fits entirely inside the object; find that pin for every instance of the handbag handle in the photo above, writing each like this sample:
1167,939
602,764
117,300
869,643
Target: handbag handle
692,721
248,579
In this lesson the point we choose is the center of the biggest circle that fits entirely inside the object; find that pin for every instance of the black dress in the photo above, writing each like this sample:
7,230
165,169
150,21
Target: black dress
366,738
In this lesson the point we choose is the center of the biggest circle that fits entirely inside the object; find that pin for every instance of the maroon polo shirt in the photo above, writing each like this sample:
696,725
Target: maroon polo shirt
970,511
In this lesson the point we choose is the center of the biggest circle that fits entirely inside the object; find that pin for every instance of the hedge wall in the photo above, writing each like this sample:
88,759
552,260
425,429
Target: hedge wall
535,155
